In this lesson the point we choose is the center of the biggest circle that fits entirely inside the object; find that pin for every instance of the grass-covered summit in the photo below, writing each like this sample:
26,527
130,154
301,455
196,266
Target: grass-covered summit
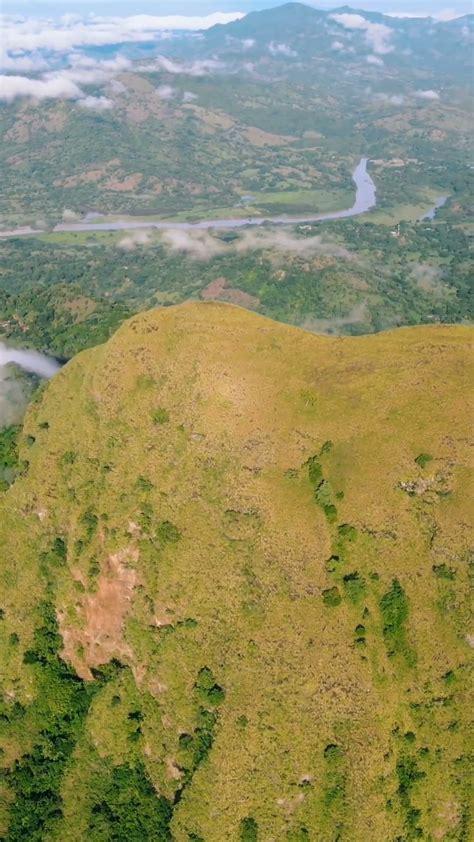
234,588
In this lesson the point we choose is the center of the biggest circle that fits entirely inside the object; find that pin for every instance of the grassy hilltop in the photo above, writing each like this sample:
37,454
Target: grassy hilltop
234,588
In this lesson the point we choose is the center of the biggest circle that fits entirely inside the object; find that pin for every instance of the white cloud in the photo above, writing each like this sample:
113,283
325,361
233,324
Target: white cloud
62,84
427,94
391,99
165,92
12,87
116,87
377,35
18,61
201,245
70,215
188,96
337,45
374,60
29,34
96,103
281,50
134,239
199,67
242,43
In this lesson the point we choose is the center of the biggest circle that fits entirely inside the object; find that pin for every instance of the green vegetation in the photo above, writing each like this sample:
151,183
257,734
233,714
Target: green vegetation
395,611
63,297
8,454
334,788
423,460
161,416
248,830
408,775
129,809
332,597
178,610
57,716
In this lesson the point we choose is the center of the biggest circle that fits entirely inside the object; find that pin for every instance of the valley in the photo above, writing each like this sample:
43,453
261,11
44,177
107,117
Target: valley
364,201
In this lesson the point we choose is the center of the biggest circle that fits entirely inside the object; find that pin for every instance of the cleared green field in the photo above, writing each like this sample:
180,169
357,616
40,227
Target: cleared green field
409,212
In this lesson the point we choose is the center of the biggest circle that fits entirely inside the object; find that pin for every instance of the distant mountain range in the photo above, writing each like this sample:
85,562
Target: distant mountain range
295,32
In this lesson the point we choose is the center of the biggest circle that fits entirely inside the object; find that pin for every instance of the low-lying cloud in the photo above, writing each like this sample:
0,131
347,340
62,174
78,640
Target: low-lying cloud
65,83
377,35
379,62
389,99
165,92
430,95
198,67
358,315
15,391
71,31
59,87
134,239
70,215
281,50
429,279
96,103
202,245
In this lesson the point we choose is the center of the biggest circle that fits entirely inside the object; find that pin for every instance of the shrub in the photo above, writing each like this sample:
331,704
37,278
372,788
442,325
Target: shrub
144,484
331,512
332,597
334,787
423,459
347,531
408,774
248,830
160,416
315,471
332,563
355,586
207,688
395,611
89,520
442,571
168,532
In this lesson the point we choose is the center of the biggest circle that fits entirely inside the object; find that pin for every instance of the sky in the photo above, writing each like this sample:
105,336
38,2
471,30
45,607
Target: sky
204,7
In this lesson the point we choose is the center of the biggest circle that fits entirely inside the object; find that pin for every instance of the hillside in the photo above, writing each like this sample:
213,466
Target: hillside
234,588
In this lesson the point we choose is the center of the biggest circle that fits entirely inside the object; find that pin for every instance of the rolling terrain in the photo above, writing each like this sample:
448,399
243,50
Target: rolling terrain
233,591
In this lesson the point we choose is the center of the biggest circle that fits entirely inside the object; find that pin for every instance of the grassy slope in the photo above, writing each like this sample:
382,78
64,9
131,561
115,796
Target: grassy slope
238,588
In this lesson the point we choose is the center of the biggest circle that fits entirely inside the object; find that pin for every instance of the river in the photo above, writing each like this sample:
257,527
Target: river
365,199
440,203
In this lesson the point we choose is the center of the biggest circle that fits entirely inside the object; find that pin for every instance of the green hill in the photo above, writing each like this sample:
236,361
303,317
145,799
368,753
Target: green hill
234,588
